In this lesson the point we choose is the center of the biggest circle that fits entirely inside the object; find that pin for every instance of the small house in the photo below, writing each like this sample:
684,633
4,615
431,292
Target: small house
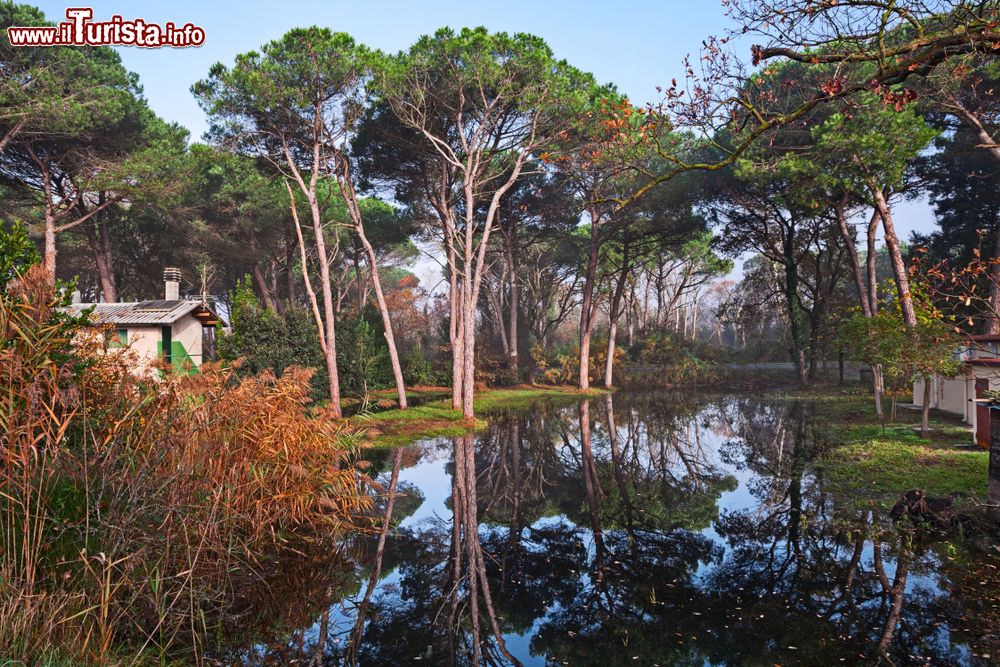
179,332
963,394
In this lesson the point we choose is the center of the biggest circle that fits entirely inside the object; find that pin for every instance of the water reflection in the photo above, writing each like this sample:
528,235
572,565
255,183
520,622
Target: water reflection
635,530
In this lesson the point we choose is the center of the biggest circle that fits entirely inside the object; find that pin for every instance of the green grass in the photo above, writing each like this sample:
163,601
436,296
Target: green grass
394,428
875,464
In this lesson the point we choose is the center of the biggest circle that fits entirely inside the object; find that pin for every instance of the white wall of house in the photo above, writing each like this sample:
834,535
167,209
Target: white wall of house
957,395
188,331
145,341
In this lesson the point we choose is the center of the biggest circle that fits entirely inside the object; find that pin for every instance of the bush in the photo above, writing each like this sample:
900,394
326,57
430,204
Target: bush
265,341
417,369
130,505
362,354
678,360
561,364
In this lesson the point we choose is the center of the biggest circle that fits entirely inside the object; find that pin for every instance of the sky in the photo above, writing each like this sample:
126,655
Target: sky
637,45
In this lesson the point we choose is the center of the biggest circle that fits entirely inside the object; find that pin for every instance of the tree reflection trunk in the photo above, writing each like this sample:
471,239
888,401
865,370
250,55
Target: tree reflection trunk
351,650
592,488
466,517
896,592
616,464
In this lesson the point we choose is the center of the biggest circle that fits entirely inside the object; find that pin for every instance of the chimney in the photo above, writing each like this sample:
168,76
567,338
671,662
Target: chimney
172,280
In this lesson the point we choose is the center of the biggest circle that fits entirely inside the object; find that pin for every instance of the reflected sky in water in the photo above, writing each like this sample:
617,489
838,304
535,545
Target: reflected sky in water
638,530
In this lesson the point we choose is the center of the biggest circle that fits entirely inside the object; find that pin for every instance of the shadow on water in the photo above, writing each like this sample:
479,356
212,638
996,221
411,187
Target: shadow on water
633,530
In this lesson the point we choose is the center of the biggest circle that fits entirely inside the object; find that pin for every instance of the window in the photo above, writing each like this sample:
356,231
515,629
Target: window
116,338
167,343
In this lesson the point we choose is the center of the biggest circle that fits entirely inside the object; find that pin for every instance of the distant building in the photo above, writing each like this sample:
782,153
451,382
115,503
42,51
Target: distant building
958,395
178,332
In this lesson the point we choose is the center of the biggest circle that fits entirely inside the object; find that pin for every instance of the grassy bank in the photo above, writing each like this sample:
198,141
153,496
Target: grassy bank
436,418
874,463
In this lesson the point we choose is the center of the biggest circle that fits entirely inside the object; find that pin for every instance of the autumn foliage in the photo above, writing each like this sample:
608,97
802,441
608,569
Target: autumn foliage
130,505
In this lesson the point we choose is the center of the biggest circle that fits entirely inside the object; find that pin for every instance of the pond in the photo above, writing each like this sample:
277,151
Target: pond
635,529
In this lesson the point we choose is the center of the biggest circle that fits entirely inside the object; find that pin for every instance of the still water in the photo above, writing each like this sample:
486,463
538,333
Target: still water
635,530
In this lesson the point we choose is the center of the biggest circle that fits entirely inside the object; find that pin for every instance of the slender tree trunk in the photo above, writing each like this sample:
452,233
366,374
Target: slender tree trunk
324,319
351,201
358,280
290,246
587,310
866,296
468,345
105,278
457,334
896,256
613,314
515,305
328,314
855,261
49,253
265,290
794,310
871,261
494,296
390,339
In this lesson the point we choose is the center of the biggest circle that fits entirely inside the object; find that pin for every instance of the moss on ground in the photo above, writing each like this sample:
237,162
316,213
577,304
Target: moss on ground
395,428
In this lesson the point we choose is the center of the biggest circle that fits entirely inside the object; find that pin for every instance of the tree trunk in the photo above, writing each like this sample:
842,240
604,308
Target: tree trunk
324,320
871,260
328,315
898,266
358,281
390,339
289,269
587,307
468,343
794,310
265,290
613,314
515,304
457,335
925,427
852,254
105,277
49,254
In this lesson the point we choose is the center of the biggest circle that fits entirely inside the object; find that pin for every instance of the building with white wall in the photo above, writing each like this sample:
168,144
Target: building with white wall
177,332
980,372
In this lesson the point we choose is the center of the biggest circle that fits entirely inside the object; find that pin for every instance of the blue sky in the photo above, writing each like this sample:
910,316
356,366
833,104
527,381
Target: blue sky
637,45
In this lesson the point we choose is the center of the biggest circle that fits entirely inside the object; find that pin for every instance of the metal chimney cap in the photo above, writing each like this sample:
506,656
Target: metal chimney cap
172,274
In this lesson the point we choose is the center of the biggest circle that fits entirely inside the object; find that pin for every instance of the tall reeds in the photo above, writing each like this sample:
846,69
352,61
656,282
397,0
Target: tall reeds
130,505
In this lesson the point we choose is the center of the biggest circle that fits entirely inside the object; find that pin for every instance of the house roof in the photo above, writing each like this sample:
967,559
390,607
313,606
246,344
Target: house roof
984,361
148,313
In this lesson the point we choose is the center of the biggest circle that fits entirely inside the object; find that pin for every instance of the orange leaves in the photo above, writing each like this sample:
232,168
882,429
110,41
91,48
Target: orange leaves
832,87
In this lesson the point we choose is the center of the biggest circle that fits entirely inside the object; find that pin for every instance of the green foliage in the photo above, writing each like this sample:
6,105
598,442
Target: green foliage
272,94
362,355
905,353
17,253
418,369
677,359
267,341
871,145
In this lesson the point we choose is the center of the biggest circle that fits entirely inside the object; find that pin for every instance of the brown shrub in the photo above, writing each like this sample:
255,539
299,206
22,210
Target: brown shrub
130,505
